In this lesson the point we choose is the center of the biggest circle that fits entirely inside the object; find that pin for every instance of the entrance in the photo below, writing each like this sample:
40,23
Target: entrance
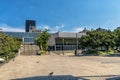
28,40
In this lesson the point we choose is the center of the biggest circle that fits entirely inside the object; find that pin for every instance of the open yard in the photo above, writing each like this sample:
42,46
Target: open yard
64,67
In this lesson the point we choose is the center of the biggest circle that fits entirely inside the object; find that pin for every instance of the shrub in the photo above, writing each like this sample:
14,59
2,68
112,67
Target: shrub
101,52
92,52
111,51
115,51
11,55
41,52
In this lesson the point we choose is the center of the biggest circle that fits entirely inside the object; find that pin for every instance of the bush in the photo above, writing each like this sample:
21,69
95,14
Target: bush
111,51
5,58
41,52
115,51
11,55
101,52
15,50
92,52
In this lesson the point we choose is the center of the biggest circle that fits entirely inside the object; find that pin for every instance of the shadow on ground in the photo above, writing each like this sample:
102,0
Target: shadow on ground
108,55
70,77
101,77
57,77
113,55
113,78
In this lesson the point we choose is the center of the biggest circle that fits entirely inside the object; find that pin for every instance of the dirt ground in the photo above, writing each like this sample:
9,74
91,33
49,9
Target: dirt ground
64,67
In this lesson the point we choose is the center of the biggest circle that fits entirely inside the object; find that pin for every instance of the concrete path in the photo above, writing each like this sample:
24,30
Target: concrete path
63,67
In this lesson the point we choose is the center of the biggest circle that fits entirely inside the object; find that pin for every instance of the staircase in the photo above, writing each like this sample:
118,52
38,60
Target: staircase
28,49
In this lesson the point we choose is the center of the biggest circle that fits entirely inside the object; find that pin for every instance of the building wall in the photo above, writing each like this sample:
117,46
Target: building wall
30,25
70,35
27,37
65,40
52,39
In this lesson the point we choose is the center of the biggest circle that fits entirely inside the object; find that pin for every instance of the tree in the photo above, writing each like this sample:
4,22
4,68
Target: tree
42,40
99,38
117,33
8,45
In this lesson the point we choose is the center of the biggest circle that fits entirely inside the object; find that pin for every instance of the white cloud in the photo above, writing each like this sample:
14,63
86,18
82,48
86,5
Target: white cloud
75,29
60,27
44,27
78,29
8,28
51,29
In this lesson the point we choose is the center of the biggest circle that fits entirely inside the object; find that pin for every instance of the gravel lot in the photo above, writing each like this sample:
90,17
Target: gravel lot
64,67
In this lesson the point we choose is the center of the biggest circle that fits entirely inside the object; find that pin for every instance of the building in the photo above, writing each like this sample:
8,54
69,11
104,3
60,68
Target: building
27,37
30,25
58,41
65,41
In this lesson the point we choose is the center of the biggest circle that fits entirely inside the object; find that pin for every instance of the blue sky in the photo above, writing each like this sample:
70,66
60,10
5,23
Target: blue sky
62,15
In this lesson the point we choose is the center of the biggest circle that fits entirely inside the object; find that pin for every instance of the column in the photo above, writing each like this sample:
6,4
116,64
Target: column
55,47
62,45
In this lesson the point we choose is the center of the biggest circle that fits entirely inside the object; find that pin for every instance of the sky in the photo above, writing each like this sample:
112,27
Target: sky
60,15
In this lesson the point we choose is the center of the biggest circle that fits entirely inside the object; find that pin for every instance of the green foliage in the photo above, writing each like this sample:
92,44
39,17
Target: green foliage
101,41
8,45
92,52
117,33
42,40
11,55
97,52
111,51
98,38
41,52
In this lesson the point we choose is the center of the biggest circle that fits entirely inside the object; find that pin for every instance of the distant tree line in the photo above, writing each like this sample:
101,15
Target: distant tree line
8,46
101,39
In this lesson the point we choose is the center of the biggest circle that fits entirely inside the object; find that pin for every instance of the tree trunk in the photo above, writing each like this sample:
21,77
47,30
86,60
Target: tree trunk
108,47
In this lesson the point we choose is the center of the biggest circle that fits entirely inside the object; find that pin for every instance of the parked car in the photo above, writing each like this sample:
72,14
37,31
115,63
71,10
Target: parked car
1,60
